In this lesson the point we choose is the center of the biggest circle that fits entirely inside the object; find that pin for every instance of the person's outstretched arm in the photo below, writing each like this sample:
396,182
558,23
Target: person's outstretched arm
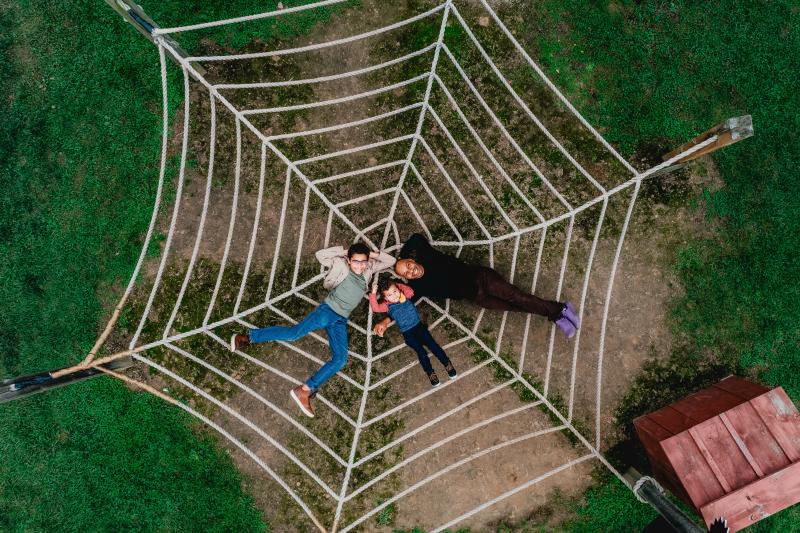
409,292
373,302
326,256
381,327
380,261
406,290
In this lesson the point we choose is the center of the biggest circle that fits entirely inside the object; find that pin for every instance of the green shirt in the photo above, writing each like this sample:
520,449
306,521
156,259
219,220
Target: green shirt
347,295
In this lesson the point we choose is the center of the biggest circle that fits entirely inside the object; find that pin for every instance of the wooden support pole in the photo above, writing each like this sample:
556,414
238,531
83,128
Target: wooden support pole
732,130
133,14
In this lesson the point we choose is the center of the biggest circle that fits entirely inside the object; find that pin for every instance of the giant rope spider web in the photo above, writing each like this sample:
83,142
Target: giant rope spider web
463,168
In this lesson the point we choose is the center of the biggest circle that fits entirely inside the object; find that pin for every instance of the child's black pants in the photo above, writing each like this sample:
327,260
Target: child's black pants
417,338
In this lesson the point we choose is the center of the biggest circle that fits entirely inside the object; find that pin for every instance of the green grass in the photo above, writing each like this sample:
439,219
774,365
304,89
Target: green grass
80,129
78,151
665,72
661,73
386,516
96,457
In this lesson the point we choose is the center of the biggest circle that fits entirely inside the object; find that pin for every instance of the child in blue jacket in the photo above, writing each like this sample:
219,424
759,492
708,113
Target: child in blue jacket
392,297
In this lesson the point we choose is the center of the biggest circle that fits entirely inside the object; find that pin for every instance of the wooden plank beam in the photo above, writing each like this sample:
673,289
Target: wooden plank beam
758,500
756,437
731,131
689,463
746,390
782,419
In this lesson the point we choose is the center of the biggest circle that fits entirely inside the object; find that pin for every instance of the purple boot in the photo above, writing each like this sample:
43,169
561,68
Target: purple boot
569,322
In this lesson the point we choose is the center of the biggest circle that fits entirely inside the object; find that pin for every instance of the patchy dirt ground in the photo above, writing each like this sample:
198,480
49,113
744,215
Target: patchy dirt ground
460,461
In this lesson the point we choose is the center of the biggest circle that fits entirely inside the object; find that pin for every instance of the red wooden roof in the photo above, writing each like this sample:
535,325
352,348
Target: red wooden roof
730,450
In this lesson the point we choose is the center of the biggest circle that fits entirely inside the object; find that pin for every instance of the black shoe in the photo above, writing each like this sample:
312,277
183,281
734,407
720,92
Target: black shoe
434,379
451,372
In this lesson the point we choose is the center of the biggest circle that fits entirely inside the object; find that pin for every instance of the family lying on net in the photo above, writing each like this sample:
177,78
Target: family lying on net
428,273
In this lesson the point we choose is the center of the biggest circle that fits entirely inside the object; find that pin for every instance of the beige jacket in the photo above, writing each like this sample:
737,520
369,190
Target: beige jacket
335,259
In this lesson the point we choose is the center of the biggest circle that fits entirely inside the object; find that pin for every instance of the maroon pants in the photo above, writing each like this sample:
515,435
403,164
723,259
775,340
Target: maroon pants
494,292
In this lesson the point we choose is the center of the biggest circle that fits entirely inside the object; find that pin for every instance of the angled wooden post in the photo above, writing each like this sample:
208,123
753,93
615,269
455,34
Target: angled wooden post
731,131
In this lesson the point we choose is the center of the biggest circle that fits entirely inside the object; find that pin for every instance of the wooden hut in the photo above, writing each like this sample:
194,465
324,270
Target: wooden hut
730,450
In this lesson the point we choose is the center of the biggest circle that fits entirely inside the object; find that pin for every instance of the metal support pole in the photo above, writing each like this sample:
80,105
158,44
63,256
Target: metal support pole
136,17
648,491
13,389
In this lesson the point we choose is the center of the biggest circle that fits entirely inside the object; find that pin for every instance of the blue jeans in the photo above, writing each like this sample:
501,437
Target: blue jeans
417,338
321,317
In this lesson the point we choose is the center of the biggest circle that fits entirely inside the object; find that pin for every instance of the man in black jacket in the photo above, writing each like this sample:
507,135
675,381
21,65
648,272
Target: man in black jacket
434,274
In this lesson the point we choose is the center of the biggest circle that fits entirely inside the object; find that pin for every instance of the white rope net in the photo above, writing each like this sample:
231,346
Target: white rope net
453,139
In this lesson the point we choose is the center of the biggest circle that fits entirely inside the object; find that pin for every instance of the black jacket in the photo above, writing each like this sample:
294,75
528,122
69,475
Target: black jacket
445,276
